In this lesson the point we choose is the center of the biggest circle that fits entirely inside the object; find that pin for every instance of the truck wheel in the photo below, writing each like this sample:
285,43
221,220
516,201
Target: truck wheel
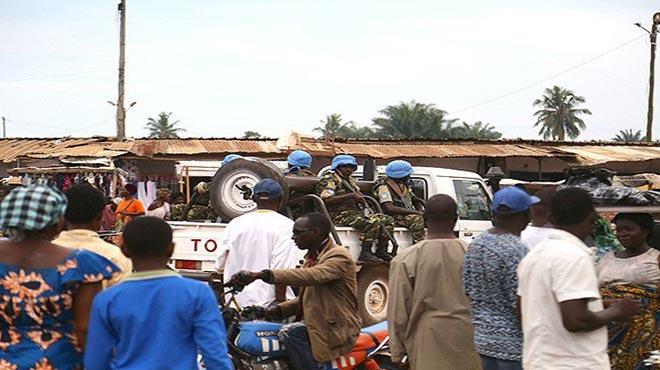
231,189
373,292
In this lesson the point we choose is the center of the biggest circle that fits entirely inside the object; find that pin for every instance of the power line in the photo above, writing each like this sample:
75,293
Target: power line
58,75
549,78
86,128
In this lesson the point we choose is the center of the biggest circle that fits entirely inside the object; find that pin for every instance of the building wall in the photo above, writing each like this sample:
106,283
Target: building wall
632,168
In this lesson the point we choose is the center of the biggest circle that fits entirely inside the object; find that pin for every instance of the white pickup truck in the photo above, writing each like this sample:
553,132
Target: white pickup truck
197,251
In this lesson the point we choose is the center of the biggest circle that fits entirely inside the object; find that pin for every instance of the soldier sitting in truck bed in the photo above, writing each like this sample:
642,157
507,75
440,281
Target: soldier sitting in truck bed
397,199
299,162
199,209
347,208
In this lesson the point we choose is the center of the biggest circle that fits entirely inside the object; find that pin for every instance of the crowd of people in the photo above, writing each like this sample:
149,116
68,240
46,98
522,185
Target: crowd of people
537,302
526,294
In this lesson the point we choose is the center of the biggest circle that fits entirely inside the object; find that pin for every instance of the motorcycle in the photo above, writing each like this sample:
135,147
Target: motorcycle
253,344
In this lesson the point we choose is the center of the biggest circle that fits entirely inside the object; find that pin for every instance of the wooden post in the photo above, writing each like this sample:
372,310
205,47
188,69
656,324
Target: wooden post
121,111
187,185
649,114
540,168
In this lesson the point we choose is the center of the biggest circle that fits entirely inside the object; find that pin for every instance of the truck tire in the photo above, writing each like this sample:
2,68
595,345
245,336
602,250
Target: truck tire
373,292
232,185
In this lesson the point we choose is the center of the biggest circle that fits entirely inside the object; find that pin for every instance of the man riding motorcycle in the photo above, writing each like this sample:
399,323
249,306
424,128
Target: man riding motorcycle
327,303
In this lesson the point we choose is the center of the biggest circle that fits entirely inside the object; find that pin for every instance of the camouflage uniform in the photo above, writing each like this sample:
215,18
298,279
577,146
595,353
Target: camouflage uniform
297,210
176,212
349,213
413,222
200,209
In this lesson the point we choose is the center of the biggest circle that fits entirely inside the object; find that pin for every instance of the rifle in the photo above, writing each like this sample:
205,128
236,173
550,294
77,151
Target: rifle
364,206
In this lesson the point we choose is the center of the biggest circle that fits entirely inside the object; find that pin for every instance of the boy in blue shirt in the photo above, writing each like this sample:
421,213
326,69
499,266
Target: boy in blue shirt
155,319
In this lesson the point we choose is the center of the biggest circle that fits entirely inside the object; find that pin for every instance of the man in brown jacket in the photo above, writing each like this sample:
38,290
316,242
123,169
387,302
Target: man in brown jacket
327,302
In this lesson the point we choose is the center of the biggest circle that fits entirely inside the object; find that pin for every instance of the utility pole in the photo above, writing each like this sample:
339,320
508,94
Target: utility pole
121,111
4,129
653,35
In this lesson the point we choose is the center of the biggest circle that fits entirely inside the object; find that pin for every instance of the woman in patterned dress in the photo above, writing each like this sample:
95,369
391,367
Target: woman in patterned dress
632,273
45,290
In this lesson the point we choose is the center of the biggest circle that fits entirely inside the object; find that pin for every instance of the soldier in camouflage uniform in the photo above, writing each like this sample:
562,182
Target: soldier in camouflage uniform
200,204
178,207
398,200
199,209
346,206
299,162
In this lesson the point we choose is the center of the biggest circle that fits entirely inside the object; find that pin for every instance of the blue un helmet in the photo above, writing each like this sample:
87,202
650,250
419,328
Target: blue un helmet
398,169
300,159
343,160
231,157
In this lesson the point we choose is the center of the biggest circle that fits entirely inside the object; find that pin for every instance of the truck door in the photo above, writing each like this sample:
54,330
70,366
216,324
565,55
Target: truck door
473,208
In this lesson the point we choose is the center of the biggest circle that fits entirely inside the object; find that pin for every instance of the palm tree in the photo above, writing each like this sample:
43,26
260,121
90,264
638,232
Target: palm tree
413,120
331,124
558,116
162,128
333,127
476,130
251,135
628,136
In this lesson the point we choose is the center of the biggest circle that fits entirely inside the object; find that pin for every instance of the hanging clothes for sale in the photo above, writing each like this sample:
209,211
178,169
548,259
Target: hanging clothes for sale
151,191
144,194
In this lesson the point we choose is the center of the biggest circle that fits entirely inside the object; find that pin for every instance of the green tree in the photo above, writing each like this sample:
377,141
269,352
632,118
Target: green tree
251,135
333,127
559,115
162,128
413,120
628,136
477,130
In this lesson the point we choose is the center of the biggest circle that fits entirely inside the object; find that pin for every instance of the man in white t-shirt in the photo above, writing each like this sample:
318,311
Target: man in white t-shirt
540,226
260,240
563,318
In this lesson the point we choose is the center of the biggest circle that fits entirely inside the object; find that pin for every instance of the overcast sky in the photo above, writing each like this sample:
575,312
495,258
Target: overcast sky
224,67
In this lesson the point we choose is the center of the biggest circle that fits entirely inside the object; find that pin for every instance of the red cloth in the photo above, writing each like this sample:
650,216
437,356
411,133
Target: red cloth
108,218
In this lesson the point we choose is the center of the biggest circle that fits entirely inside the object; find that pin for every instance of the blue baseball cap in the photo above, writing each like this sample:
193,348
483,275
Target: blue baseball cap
398,169
514,199
343,160
299,158
267,189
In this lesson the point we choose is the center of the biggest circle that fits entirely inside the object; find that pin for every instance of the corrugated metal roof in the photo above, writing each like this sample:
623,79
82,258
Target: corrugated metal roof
11,149
582,153
150,147
448,150
596,154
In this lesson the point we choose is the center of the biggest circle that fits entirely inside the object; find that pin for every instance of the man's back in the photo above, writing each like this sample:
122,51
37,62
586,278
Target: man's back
559,269
428,312
490,282
156,320
258,241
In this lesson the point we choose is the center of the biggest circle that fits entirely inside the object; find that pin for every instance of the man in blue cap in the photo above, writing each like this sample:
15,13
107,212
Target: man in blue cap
395,195
346,205
299,162
259,240
489,275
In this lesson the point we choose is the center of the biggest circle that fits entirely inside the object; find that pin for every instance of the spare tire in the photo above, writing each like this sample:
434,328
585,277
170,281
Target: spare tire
231,188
